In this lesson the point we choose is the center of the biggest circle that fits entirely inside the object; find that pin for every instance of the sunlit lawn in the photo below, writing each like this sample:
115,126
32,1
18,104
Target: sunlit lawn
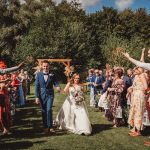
27,132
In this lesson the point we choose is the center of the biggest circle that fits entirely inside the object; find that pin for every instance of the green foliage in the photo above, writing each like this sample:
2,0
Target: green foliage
54,36
43,29
112,52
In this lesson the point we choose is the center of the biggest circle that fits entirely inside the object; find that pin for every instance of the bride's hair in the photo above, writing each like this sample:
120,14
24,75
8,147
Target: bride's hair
73,77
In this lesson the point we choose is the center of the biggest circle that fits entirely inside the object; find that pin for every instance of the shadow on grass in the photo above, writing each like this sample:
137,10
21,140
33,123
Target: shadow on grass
146,131
18,145
97,128
28,124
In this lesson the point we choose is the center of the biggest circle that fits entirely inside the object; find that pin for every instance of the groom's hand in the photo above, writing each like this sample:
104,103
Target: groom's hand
58,89
37,101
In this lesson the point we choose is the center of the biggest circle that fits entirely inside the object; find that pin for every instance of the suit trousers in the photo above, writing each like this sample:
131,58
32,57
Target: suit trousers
47,113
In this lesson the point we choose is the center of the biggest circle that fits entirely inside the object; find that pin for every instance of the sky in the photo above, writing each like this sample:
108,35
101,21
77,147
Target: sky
92,6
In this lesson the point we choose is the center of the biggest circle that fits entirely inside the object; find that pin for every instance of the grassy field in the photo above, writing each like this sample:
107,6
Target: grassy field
27,132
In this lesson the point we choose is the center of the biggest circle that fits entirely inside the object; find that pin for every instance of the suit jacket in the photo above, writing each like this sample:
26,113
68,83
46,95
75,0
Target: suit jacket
90,79
107,85
99,80
44,90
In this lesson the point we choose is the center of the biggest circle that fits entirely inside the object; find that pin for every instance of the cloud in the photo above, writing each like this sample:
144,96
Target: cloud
22,1
85,3
122,4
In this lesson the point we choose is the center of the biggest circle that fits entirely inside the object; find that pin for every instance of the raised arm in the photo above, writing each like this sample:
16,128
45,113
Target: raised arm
142,55
12,69
144,81
136,62
66,89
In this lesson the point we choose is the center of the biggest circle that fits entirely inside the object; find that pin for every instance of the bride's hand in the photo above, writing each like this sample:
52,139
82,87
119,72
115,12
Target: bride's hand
62,92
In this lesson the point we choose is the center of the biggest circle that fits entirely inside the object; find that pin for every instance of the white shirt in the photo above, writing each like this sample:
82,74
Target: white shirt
45,76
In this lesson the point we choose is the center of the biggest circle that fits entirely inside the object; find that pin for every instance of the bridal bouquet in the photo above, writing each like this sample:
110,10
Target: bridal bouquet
79,97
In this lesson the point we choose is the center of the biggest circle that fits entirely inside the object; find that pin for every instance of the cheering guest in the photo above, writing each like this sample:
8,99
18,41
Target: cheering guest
138,102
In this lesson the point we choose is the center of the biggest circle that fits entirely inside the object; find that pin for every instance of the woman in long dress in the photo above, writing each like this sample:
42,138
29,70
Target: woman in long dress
114,98
5,120
138,102
73,115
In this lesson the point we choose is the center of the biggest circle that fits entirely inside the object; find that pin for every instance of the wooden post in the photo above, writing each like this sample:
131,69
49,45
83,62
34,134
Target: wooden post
66,62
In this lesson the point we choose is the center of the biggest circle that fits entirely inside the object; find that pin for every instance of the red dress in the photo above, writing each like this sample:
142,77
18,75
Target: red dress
4,107
15,82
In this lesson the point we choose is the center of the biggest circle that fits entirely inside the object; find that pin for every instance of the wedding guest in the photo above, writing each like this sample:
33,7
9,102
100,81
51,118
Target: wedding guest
114,96
5,119
23,78
98,81
130,75
12,69
17,82
138,102
103,97
138,63
27,82
127,83
90,81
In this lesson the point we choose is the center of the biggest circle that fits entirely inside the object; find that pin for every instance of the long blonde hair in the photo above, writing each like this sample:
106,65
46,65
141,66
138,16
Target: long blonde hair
73,77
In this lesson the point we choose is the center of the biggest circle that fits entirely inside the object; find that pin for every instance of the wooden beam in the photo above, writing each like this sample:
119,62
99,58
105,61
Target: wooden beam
56,60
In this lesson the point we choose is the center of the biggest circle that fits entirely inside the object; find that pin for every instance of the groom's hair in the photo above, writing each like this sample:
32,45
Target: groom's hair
45,61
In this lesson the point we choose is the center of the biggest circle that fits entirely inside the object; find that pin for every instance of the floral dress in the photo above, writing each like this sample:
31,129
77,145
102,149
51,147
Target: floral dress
138,105
114,98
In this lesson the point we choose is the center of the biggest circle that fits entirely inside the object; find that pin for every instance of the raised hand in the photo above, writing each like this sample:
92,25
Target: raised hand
143,50
21,65
126,55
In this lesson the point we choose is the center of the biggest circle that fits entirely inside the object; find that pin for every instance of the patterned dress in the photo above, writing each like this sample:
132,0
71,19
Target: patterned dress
138,105
114,98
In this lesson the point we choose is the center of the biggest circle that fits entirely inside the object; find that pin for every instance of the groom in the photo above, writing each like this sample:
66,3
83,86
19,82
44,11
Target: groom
45,94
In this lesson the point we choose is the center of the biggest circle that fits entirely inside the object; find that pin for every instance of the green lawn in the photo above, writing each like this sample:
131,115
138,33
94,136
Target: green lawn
27,132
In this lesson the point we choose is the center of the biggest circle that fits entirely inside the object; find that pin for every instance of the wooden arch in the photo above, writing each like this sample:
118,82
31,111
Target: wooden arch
66,62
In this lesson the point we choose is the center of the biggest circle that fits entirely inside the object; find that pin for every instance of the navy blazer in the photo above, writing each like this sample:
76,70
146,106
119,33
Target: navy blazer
44,90
100,80
90,79
127,81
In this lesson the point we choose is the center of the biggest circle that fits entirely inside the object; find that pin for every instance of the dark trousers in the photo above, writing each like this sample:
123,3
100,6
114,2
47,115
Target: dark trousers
47,113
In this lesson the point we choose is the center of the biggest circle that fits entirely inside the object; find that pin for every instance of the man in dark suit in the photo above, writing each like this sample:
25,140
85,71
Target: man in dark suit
45,94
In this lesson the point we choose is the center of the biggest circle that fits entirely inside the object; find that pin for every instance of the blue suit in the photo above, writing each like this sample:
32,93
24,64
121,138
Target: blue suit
45,92
99,81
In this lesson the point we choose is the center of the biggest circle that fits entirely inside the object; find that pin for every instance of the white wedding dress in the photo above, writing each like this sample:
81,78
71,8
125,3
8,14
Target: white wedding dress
74,117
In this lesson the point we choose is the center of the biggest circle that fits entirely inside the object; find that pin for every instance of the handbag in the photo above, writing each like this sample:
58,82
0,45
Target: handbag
146,121
118,112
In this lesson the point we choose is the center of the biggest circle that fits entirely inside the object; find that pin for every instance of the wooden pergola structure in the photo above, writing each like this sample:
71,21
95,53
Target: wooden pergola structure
66,62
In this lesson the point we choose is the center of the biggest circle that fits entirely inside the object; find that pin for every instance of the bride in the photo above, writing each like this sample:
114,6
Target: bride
73,116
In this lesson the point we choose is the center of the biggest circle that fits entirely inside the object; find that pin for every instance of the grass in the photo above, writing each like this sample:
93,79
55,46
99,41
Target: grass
27,132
